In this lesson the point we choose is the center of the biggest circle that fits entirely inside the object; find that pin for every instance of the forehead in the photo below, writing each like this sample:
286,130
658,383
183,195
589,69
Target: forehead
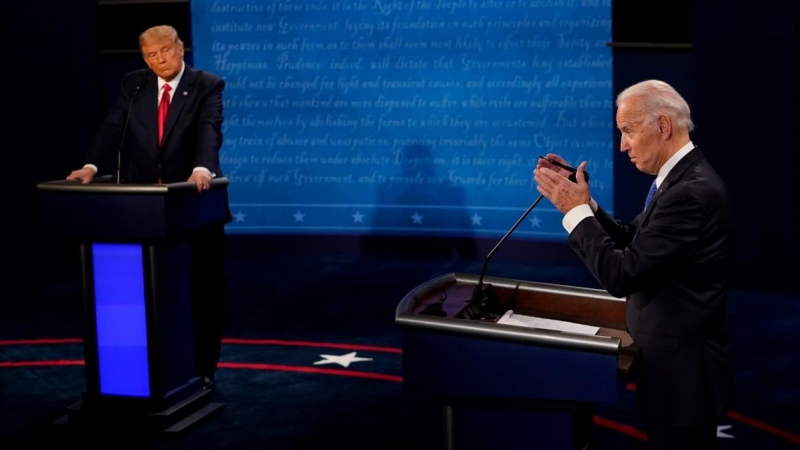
156,44
629,113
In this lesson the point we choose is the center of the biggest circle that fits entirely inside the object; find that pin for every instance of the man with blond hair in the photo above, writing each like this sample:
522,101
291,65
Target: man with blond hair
167,122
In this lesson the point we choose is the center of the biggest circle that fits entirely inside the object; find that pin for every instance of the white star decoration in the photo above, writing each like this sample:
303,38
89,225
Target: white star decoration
358,217
239,216
535,221
298,216
342,360
476,219
721,433
416,218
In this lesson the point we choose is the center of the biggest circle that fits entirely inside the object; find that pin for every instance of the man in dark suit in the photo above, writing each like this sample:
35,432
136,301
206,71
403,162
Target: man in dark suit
169,119
672,262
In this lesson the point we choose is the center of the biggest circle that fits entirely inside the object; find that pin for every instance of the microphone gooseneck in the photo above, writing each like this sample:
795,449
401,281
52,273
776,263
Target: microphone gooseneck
480,298
125,129
479,305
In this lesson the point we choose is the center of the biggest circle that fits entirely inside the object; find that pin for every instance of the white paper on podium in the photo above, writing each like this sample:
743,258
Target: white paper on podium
509,318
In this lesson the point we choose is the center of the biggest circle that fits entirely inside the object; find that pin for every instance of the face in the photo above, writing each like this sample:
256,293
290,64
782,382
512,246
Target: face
641,139
164,57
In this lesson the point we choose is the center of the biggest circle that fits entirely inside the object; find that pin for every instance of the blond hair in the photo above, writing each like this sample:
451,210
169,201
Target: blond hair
160,33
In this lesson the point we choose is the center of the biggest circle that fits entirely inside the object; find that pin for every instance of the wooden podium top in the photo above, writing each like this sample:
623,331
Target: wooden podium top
451,295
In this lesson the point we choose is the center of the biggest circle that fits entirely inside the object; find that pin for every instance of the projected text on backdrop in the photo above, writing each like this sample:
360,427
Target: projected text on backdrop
406,117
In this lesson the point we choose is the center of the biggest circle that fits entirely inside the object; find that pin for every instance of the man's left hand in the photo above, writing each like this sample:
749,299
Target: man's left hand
563,193
201,179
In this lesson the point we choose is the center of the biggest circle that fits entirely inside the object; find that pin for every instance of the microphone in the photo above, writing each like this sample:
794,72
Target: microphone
136,90
484,304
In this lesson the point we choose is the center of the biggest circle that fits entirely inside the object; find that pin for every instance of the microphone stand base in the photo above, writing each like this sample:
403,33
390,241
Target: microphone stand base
484,304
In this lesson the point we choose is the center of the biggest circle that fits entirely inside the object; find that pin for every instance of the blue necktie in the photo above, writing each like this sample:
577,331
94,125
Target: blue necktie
650,194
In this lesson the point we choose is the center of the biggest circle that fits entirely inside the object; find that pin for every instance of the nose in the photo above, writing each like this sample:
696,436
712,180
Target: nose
624,145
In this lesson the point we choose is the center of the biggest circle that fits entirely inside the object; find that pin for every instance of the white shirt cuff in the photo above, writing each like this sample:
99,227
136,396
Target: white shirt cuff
204,170
575,215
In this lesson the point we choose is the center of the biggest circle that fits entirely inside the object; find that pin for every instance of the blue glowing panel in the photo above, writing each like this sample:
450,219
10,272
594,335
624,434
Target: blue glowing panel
121,319
406,117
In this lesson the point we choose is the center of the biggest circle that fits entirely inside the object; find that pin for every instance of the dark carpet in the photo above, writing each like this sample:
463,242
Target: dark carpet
286,311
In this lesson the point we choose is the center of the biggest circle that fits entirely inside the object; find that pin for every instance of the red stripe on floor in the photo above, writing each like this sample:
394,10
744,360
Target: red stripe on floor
340,372
791,437
60,362
41,341
367,348
625,429
764,427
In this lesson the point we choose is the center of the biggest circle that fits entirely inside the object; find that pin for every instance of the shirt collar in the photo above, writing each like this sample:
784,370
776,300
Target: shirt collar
174,83
662,173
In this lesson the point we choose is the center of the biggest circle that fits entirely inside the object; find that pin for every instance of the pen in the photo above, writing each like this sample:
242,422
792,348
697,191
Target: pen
558,164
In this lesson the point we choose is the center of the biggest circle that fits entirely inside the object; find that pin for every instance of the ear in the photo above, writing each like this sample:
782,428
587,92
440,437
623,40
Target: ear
664,127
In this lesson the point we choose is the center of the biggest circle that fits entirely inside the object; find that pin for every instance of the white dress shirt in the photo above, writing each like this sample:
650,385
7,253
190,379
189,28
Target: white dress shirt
574,216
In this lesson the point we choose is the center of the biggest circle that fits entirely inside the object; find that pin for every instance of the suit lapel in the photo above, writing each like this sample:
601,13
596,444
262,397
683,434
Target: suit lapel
672,178
181,94
675,175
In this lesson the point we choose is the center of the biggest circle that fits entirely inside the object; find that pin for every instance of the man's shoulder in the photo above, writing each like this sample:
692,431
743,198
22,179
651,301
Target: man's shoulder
204,75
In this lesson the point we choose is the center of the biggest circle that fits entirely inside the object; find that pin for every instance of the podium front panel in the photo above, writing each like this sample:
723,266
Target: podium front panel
120,320
450,356
440,364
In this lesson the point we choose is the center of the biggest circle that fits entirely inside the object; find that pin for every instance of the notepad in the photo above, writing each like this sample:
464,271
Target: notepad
510,318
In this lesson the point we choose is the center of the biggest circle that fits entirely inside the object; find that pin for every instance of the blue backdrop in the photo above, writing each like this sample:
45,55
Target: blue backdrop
406,117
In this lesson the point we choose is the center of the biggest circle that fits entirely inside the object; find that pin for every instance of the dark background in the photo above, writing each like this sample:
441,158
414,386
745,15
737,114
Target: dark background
735,62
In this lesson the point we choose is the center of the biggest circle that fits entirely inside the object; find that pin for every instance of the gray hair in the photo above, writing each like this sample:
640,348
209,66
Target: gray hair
656,98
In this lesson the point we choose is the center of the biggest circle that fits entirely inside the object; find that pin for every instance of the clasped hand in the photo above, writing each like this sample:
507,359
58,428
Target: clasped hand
554,183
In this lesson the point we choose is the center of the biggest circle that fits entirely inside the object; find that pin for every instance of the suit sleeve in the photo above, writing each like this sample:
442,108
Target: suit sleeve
658,249
620,233
209,128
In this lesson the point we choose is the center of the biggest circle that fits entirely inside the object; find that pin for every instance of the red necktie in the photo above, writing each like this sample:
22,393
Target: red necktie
163,109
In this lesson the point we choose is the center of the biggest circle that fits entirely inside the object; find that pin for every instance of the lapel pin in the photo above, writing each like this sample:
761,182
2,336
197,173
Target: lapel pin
185,92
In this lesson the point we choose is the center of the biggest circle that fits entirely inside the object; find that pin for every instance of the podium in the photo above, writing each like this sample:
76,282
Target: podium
136,291
510,386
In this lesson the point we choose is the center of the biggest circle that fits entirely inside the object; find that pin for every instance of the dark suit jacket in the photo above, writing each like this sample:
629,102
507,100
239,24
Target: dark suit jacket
673,264
192,135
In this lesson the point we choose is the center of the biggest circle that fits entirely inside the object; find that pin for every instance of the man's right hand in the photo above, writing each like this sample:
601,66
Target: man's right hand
553,157
85,175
